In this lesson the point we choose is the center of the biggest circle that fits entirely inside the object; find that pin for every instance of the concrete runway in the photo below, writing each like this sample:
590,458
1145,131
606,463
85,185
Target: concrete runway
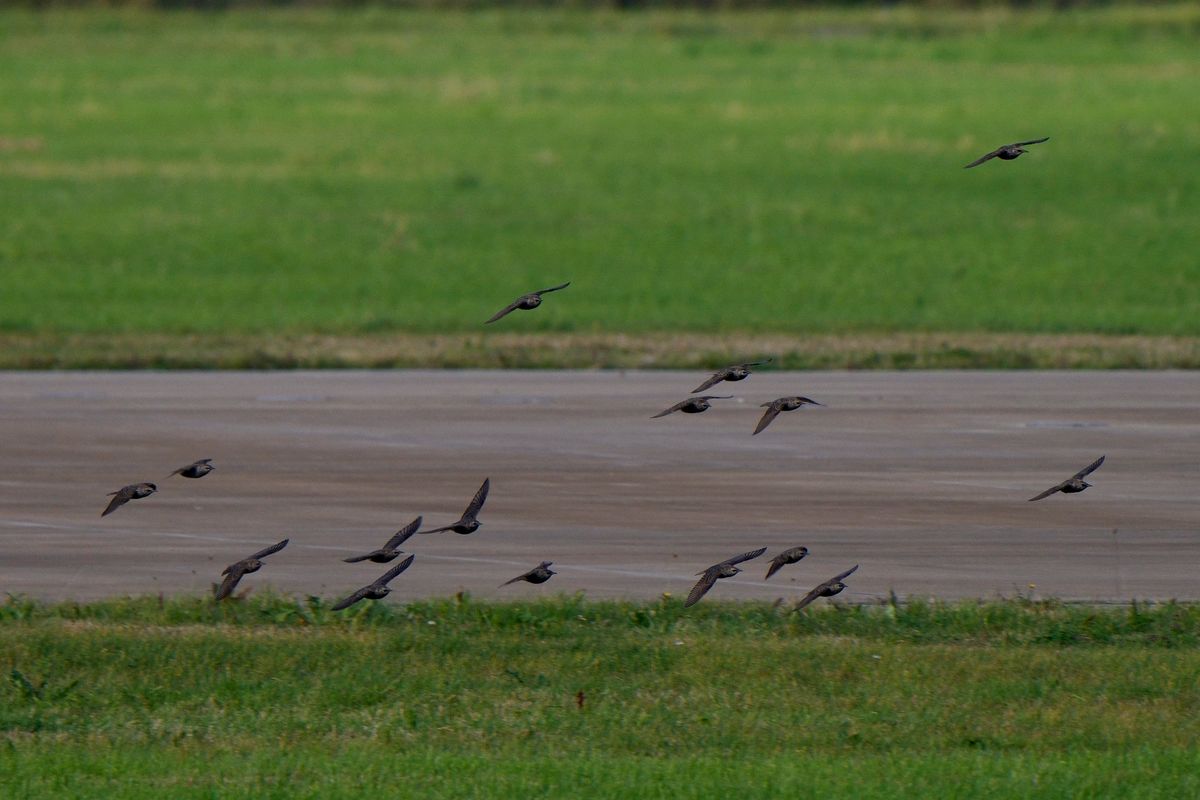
923,478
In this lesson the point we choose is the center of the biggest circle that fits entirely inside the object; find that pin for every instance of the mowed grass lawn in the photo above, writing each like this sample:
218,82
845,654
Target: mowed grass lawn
568,698
310,171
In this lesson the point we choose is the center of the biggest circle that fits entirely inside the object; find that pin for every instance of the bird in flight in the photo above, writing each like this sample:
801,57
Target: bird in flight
789,556
1073,484
234,572
525,302
134,491
693,405
196,469
539,574
376,590
468,522
1006,153
827,589
724,569
390,550
774,408
734,372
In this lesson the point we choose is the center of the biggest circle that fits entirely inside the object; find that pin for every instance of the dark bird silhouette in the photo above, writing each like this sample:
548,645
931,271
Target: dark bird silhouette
827,589
134,491
468,523
390,550
734,372
1073,484
693,405
710,576
539,574
196,469
789,556
526,302
234,572
1006,153
375,591
774,407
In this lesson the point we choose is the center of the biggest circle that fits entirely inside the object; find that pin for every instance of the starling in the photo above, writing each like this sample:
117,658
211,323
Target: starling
467,523
734,372
526,302
134,491
375,591
539,574
693,405
789,556
782,404
390,550
197,469
1006,153
234,572
710,576
827,589
1073,484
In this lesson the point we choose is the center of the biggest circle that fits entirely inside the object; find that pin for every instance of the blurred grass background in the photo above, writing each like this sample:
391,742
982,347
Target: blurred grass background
288,172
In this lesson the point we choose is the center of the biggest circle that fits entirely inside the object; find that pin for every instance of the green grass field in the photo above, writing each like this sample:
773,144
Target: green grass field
286,173
568,698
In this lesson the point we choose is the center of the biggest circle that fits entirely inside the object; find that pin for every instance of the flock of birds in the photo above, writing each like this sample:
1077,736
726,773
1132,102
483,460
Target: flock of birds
469,522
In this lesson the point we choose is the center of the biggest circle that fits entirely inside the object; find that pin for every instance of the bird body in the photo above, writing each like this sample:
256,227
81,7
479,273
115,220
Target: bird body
775,407
539,574
828,588
468,522
734,372
693,405
376,590
1073,484
134,491
789,556
234,572
1006,153
390,551
723,569
197,469
526,302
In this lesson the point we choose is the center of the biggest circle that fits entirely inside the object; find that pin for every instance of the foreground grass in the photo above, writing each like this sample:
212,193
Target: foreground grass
281,698
298,172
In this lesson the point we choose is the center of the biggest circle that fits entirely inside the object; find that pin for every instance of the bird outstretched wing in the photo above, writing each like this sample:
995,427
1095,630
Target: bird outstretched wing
403,534
385,578
511,307
771,413
1090,468
275,548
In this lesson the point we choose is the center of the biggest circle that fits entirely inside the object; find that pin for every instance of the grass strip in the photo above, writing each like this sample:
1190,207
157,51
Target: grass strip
596,351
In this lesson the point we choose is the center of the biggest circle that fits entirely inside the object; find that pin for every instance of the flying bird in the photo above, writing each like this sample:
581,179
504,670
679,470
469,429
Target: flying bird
196,469
1006,153
468,523
710,576
375,591
525,302
1073,484
234,572
774,407
734,372
827,589
390,550
134,491
693,405
789,556
539,574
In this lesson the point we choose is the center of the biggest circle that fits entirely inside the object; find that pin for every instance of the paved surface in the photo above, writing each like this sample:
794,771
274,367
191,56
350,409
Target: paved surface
923,478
